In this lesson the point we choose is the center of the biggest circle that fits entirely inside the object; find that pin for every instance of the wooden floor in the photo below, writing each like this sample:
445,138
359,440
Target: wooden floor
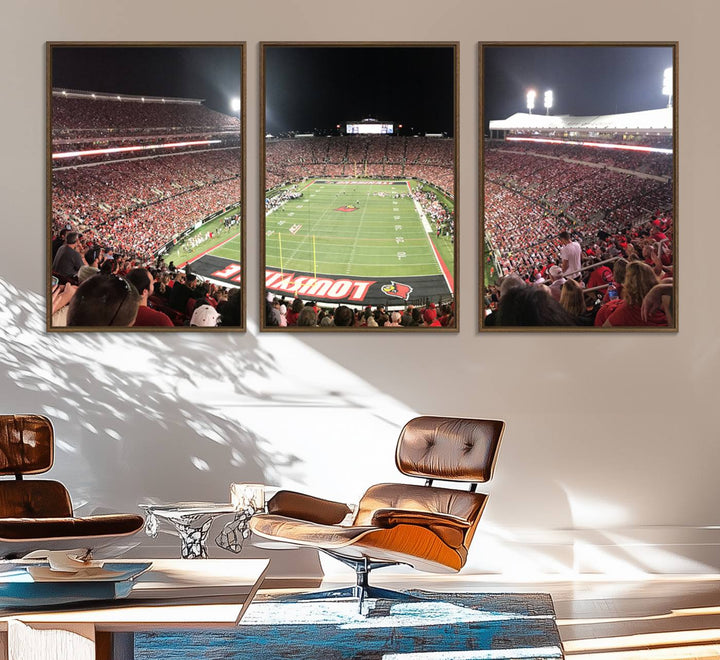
660,618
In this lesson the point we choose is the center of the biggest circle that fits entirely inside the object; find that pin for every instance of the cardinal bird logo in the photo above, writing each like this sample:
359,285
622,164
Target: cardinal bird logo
397,290
347,209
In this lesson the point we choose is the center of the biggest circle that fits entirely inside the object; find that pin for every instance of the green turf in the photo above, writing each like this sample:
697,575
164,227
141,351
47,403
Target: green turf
384,237
230,250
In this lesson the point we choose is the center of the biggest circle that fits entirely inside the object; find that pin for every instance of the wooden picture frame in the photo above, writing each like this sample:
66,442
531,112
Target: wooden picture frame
358,153
599,163
145,165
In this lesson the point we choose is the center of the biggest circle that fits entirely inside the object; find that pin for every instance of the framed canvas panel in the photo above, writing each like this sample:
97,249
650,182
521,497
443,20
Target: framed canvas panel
578,180
145,186
359,154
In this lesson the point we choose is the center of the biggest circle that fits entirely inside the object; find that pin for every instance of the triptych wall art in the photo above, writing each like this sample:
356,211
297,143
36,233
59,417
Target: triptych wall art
359,204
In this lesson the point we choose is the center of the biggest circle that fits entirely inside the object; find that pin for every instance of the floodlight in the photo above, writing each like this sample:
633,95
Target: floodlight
548,101
667,88
235,104
531,100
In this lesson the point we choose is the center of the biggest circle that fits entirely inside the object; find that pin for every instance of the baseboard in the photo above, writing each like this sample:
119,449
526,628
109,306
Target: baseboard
513,553
616,552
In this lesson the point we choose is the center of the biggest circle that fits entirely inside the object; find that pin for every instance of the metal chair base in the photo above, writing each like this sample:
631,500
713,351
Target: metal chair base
362,590
353,593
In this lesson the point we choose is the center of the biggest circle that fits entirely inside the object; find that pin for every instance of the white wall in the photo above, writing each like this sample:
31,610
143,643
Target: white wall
610,460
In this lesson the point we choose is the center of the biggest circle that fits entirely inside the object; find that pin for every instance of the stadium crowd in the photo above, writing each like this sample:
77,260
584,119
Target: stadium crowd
424,158
96,284
529,199
658,164
616,227
137,206
295,312
606,281
112,115
435,211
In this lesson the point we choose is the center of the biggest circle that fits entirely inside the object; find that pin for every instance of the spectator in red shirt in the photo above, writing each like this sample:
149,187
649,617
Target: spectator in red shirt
430,317
639,280
141,279
294,312
615,291
600,275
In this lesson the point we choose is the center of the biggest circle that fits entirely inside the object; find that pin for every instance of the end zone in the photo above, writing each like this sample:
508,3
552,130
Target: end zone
220,270
397,291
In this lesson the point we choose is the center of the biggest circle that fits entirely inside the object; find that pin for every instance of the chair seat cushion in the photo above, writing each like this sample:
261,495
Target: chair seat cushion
23,529
451,529
417,546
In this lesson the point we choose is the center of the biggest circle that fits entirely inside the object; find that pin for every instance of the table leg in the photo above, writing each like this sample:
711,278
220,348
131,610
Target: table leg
114,645
193,539
151,524
57,641
236,531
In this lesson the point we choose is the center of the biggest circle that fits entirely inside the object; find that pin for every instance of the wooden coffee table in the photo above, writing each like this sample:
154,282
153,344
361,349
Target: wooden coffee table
174,593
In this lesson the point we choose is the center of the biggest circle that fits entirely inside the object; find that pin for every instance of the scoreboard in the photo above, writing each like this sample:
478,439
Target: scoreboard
369,129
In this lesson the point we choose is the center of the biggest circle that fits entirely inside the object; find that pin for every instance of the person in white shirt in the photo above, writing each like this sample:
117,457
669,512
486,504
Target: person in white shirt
570,255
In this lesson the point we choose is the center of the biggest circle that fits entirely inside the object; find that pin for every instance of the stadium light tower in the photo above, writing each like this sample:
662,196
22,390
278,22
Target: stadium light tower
235,105
531,100
667,88
548,101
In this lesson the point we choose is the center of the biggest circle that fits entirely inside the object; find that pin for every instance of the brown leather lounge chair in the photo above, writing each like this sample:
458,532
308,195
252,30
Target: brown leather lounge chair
427,527
37,514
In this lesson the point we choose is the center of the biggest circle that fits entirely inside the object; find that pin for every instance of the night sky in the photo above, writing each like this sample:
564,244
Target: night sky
211,73
594,80
315,87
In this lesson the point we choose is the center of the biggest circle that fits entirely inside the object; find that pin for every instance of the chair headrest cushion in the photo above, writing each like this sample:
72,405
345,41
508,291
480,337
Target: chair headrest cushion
26,444
449,448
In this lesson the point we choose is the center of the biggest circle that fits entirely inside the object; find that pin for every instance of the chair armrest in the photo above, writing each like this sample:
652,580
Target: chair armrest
451,529
306,507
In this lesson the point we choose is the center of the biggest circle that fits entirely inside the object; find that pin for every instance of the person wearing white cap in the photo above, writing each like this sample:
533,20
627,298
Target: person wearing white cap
556,281
205,316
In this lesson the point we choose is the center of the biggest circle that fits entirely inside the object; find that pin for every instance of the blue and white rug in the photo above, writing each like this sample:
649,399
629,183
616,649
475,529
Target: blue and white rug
442,626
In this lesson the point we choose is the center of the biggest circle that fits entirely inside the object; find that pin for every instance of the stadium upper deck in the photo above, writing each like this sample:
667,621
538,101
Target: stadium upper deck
429,159
122,114
91,127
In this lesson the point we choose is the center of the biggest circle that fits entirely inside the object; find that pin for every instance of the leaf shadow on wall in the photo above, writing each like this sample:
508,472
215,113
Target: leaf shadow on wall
134,414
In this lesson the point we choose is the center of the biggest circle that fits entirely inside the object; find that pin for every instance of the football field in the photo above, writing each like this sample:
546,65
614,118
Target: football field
217,258
359,229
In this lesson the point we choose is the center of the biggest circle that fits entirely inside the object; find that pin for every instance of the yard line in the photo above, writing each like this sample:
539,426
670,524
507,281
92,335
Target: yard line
355,242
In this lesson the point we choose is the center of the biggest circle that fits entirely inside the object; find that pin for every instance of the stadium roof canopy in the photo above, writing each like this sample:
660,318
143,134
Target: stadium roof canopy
654,121
106,96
